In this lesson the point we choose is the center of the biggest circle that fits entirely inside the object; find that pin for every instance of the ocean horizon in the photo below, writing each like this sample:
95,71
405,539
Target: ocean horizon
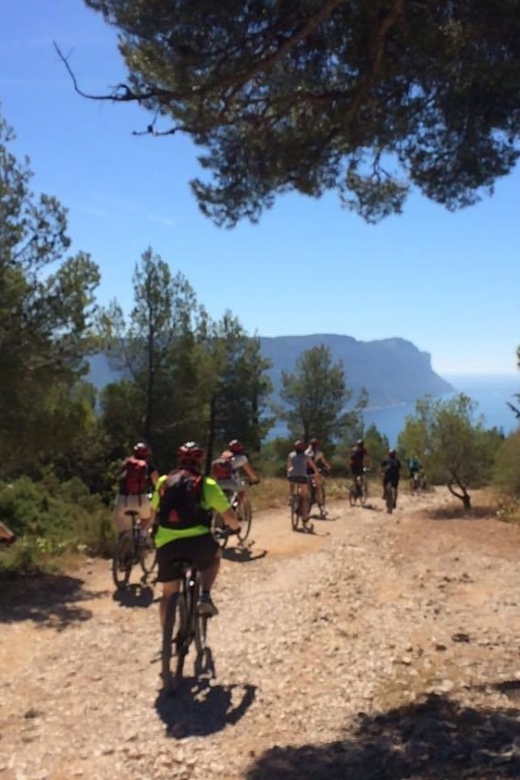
490,392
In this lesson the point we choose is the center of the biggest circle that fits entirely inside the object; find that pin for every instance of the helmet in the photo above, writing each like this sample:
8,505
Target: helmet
391,452
190,453
235,446
360,443
299,446
315,442
142,450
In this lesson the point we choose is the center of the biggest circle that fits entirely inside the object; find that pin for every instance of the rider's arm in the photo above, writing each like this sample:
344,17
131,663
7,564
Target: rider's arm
250,472
230,519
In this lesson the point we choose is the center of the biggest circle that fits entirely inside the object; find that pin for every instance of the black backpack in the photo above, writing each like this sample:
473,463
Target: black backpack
180,505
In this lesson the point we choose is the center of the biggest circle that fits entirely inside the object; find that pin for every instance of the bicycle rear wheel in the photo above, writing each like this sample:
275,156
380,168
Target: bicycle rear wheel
122,560
295,511
147,557
245,515
175,637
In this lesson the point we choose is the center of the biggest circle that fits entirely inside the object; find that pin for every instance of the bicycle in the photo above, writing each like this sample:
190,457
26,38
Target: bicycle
244,513
296,507
132,548
183,626
390,495
358,489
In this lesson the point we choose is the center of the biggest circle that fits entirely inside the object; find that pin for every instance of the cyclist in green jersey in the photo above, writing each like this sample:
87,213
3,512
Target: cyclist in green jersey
182,504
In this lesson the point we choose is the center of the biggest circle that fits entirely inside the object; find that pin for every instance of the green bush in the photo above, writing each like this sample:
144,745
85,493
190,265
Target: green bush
50,518
506,475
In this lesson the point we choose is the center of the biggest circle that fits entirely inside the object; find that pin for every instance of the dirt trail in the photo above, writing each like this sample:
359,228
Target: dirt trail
378,647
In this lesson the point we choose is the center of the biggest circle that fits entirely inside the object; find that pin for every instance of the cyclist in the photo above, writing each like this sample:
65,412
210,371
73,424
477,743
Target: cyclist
391,471
298,465
183,502
226,469
137,478
414,466
324,468
358,453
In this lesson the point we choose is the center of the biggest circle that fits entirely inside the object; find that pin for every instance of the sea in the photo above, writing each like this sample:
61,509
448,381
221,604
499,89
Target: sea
489,392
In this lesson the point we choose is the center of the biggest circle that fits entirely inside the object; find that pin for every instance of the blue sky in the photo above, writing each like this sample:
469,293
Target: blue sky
450,283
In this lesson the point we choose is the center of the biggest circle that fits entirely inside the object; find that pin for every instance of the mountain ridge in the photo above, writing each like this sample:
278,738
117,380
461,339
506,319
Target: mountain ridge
393,370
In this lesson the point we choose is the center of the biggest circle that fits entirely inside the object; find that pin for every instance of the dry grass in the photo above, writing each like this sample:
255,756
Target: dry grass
272,492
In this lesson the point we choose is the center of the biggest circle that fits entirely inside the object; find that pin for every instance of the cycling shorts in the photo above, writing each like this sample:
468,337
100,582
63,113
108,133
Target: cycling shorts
298,480
200,550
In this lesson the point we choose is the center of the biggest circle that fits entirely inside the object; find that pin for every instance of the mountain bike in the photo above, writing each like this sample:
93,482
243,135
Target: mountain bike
183,626
358,490
296,509
390,493
133,547
244,512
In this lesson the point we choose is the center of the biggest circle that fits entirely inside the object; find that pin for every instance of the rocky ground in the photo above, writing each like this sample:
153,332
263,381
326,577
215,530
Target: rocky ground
377,648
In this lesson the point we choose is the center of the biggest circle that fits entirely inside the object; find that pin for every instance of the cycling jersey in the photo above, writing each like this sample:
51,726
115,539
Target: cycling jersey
298,462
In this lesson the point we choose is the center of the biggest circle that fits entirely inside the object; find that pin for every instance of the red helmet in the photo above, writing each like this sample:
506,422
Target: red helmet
190,453
299,446
142,450
235,446
315,442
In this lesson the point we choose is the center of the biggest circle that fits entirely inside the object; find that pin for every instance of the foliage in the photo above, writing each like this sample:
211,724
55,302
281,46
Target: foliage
506,474
366,98
50,517
315,395
46,319
453,446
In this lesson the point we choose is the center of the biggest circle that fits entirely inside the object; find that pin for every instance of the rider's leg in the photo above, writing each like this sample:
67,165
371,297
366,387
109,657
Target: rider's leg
168,588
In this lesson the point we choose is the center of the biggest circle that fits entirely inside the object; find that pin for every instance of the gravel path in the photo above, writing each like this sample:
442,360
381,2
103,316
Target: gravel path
377,648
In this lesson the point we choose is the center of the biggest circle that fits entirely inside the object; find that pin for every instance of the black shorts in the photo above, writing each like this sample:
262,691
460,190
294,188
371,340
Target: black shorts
392,479
298,480
357,471
200,550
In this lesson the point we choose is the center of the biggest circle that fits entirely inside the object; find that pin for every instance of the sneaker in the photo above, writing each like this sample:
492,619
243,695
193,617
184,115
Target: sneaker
206,607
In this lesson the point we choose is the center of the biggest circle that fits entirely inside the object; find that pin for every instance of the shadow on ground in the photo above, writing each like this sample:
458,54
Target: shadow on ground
243,553
200,708
435,740
139,595
49,600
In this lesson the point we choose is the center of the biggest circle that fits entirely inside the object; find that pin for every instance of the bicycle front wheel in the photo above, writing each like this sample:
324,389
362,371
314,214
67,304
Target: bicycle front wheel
245,515
389,499
122,560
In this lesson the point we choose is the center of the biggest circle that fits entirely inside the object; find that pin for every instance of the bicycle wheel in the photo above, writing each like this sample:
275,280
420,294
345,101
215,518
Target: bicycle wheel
147,556
389,498
122,560
295,507
174,640
218,525
245,515
363,492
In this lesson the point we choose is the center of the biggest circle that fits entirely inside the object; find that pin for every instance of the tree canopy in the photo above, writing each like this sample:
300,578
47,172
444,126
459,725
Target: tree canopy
365,97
